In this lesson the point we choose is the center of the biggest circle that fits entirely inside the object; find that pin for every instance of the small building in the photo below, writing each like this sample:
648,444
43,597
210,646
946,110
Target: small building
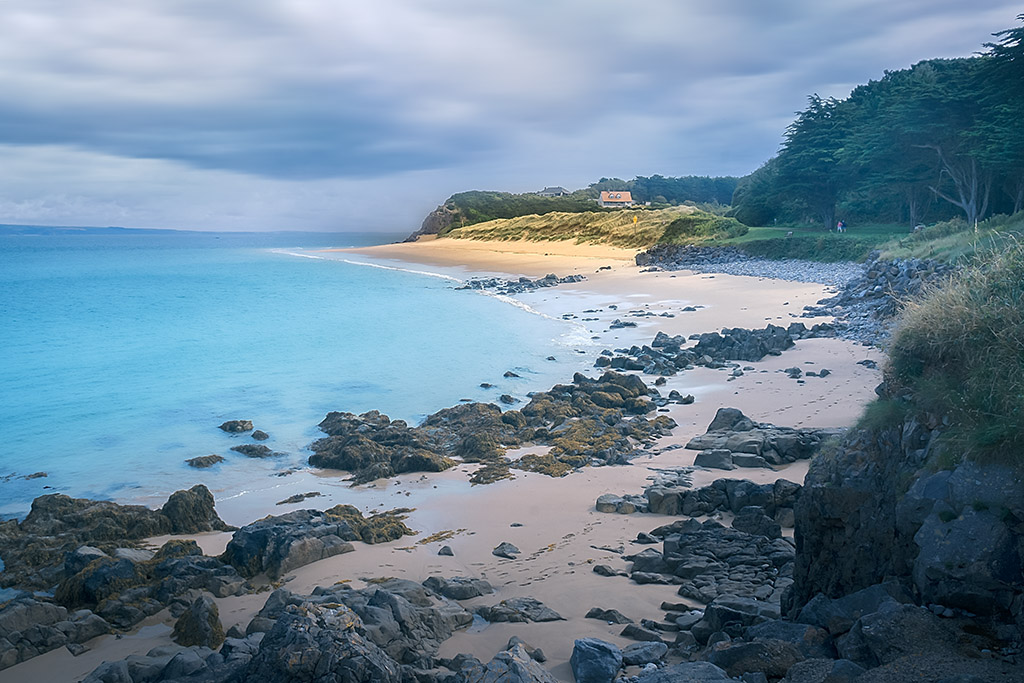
553,192
614,199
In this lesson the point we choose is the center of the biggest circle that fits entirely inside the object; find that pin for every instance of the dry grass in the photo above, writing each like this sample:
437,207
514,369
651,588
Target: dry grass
960,350
614,228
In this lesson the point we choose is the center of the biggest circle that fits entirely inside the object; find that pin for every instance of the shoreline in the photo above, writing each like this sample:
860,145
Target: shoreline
561,533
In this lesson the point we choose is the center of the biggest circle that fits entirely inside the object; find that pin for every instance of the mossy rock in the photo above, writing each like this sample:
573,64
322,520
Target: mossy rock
480,448
490,473
200,625
607,400
543,464
380,528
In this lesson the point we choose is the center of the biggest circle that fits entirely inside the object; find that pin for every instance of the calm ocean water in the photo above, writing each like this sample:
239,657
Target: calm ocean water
120,354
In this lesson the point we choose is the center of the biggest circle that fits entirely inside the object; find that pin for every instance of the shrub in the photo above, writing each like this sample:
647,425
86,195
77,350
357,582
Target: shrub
960,352
825,247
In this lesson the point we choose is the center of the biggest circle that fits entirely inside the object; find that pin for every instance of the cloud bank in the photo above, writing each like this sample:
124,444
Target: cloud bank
313,114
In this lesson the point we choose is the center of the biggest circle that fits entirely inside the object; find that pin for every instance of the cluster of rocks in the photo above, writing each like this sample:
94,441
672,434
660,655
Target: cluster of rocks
590,421
73,569
733,440
866,306
278,544
387,632
519,286
732,261
667,355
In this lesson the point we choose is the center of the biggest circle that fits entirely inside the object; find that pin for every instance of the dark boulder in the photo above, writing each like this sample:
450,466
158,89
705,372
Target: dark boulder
237,426
192,511
200,625
278,544
595,661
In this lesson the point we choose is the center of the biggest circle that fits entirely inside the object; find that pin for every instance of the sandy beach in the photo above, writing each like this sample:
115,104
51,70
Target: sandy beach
553,521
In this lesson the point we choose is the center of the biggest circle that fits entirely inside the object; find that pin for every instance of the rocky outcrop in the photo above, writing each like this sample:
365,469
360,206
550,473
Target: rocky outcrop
277,544
668,355
520,285
438,220
591,421
35,549
321,643
30,627
199,625
237,426
518,610
732,261
955,535
733,434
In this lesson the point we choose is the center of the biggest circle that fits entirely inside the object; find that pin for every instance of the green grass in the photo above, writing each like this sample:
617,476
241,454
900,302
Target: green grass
955,241
959,352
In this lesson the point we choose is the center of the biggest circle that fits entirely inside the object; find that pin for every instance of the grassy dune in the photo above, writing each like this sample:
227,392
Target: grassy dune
677,225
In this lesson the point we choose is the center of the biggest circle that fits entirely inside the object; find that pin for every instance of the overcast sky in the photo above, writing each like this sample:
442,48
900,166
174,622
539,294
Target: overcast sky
332,115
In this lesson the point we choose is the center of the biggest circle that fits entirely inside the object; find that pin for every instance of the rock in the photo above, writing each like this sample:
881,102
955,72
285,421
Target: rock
639,633
251,450
446,550
752,520
610,615
512,666
639,654
824,671
237,426
506,550
518,610
199,625
536,654
192,511
299,497
687,672
458,587
278,544
893,632
716,458
80,558
595,661
260,435
773,658
811,641
204,461
321,643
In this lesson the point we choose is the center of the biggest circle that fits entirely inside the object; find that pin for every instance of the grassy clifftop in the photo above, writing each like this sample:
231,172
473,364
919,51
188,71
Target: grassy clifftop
678,225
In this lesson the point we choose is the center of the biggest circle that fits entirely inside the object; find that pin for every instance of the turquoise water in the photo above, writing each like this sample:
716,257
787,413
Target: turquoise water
122,353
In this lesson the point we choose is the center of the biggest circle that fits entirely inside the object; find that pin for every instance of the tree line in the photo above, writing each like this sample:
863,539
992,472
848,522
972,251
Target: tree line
942,138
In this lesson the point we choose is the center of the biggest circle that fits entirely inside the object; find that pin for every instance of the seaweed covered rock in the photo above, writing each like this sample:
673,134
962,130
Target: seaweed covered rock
590,421
192,511
379,528
199,625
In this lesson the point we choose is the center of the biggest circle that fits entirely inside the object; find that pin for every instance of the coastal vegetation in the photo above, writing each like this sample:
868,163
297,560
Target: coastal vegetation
941,139
677,225
956,354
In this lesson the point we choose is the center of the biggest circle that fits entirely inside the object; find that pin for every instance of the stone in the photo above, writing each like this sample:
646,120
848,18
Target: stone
458,587
635,632
752,520
514,665
687,672
237,426
199,625
773,658
518,610
251,450
278,544
609,615
812,642
260,435
639,654
608,502
204,461
715,458
536,654
893,632
192,511
595,661
506,550
446,550
322,643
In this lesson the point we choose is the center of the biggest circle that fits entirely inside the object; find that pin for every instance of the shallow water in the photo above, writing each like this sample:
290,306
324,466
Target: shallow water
122,354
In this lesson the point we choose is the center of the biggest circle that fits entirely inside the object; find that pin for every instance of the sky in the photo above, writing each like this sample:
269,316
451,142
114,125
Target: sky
341,116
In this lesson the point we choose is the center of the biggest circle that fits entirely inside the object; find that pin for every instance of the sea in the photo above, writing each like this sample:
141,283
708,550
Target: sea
121,352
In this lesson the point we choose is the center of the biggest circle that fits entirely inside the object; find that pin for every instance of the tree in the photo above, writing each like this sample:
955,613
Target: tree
808,165
1003,77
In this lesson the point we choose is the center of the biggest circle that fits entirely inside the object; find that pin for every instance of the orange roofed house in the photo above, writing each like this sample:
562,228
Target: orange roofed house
615,199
